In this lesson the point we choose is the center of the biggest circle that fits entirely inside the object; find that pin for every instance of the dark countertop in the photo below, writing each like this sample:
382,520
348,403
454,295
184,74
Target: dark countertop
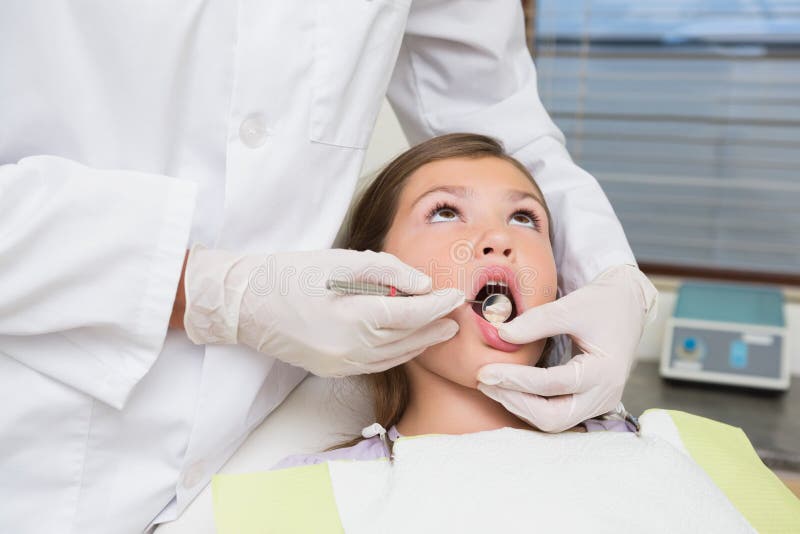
771,420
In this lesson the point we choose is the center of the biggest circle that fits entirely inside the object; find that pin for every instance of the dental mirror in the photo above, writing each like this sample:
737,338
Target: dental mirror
495,308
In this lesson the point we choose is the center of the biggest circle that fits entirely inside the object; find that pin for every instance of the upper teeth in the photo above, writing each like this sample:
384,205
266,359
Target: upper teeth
497,282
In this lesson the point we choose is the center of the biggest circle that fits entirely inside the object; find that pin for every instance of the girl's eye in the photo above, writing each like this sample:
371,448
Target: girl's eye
442,213
525,218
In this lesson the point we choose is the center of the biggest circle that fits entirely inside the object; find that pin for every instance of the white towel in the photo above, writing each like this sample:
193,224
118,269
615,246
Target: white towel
510,481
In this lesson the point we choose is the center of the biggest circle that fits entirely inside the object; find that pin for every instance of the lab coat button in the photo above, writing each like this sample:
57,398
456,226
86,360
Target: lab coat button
253,131
193,476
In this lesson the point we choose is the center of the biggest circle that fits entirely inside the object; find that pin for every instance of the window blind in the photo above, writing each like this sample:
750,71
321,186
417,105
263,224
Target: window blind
688,114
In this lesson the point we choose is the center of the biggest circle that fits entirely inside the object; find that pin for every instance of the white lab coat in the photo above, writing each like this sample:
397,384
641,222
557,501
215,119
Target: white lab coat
130,130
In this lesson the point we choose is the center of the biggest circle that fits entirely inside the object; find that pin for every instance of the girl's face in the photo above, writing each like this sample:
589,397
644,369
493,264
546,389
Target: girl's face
464,222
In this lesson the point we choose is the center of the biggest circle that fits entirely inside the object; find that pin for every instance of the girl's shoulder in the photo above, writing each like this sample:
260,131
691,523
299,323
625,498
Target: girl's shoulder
367,449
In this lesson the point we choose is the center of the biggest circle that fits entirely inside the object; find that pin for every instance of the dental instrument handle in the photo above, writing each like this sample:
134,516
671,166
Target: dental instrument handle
349,287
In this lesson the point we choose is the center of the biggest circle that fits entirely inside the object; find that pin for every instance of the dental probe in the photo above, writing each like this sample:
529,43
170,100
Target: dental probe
495,308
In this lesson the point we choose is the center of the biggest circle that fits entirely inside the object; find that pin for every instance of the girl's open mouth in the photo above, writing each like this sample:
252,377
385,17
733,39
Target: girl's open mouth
495,288
490,336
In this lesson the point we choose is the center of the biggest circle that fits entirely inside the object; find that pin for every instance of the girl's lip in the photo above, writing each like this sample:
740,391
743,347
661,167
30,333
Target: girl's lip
491,337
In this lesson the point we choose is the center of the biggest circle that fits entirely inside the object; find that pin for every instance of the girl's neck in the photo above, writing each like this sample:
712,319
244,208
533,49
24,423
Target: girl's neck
439,406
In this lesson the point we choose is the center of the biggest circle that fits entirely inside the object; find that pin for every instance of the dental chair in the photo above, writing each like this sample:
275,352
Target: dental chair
317,414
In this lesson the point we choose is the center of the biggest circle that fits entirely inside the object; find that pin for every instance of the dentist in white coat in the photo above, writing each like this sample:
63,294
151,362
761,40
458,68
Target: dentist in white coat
130,132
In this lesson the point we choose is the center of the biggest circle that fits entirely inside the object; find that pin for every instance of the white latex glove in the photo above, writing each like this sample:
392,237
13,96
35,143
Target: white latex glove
278,305
605,319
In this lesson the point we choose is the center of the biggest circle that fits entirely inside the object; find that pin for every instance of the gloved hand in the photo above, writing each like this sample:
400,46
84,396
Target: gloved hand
278,305
605,319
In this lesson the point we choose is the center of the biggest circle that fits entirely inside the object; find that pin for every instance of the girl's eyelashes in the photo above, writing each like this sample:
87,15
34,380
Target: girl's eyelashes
441,212
445,212
526,217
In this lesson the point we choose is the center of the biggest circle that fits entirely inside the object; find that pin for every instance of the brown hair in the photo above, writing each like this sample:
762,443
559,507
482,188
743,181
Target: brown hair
369,222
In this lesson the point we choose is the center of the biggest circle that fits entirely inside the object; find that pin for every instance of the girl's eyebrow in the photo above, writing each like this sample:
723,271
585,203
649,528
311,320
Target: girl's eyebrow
455,190
462,192
516,194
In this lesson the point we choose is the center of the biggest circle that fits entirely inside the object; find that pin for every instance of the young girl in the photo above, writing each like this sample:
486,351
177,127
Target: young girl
470,216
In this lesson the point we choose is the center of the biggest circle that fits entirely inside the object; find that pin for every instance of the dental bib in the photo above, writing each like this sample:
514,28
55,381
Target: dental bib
512,481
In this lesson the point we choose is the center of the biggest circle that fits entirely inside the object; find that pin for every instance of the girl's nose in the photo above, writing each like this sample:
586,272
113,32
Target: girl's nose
495,242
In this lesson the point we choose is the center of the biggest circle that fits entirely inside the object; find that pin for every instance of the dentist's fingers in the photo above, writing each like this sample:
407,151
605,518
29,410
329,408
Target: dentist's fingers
555,398
564,379
383,268
379,367
409,346
417,311
383,365
538,323
549,414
